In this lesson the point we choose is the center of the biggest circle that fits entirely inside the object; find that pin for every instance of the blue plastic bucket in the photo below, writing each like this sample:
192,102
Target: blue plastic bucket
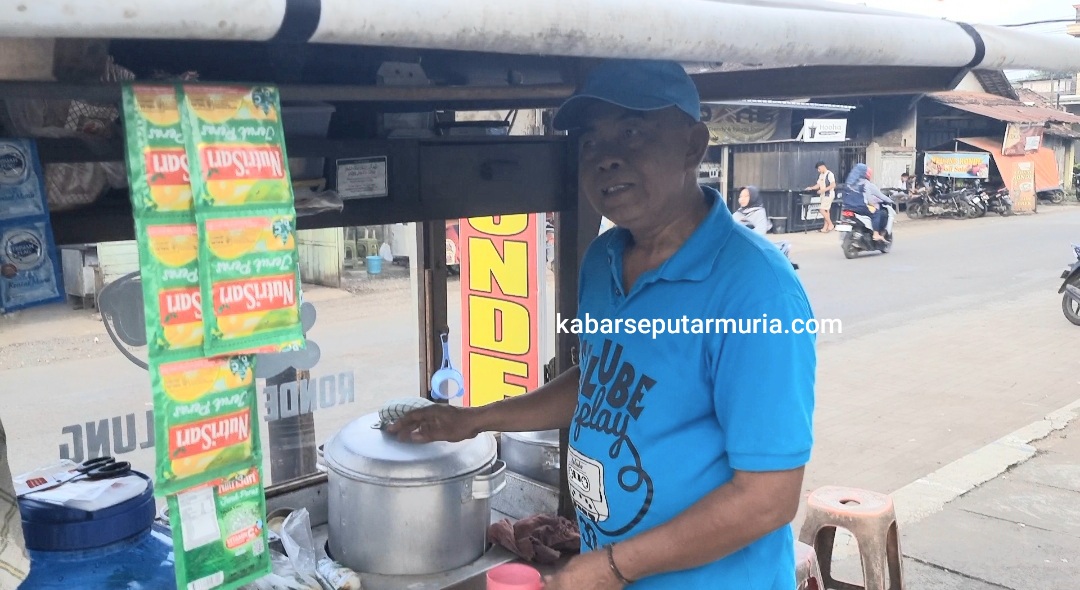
374,265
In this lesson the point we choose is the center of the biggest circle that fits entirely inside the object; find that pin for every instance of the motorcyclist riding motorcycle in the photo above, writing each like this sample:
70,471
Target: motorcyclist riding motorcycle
864,198
752,214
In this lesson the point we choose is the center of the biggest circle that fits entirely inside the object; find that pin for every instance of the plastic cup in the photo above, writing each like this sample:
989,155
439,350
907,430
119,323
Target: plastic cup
514,576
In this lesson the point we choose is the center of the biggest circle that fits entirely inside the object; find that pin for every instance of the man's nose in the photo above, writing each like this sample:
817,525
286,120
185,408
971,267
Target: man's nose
609,163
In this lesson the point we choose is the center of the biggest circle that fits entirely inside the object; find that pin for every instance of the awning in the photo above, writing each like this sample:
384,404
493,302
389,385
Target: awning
1001,108
1047,175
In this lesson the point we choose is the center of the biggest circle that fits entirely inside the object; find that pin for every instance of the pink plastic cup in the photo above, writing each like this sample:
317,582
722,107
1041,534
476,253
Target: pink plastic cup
514,576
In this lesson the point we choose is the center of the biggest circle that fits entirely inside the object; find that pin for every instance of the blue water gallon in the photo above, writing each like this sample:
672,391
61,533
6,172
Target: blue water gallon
374,265
118,547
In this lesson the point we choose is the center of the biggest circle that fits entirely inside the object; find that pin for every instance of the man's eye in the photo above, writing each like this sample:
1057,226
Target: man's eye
631,132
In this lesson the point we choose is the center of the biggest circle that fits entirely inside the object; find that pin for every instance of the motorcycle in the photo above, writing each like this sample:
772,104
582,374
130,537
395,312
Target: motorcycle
937,199
975,206
1070,289
857,232
998,201
785,247
1053,195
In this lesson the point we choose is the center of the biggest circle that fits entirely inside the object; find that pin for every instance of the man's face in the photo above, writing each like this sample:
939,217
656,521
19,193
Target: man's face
821,169
634,166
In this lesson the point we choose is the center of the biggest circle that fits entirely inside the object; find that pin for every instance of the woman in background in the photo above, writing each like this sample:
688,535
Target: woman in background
752,214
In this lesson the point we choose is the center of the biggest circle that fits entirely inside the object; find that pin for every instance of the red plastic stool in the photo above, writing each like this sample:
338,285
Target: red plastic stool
807,570
871,519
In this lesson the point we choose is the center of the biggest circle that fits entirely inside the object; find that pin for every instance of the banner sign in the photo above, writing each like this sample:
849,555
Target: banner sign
1022,187
500,319
957,164
824,130
745,124
1021,138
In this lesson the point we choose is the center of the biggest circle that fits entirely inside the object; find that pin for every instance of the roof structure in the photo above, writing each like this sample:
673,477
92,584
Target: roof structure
995,82
1001,108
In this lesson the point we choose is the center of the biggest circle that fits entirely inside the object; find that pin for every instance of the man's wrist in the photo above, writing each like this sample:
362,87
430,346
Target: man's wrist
631,558
616,569
477,418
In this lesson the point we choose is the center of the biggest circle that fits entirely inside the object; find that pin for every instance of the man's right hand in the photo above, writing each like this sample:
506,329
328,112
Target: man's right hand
439,422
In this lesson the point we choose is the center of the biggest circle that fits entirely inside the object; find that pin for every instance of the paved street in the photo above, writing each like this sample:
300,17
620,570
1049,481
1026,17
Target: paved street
952,341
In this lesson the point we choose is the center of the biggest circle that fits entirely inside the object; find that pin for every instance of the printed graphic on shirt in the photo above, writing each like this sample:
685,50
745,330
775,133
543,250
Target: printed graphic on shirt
587,485
613,491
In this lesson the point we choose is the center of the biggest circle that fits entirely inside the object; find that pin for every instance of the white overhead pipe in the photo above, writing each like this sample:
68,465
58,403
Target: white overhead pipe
740,31
239,20
686,30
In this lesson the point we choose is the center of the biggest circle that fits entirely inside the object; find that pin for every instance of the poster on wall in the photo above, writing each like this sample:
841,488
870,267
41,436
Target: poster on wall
500,306
1021,138
957,164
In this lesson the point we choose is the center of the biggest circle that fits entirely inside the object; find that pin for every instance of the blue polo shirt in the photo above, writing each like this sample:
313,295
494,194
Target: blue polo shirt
663,419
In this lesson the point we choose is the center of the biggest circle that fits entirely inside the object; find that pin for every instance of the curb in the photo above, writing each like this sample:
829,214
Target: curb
929,495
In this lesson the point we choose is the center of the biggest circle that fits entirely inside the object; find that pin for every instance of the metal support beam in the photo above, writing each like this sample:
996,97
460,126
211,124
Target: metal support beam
432,305
421,98
823,82
575,228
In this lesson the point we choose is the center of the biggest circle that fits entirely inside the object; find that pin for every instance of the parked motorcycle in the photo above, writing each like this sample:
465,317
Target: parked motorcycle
998,201
1052,195
975,205
857,232
937,199
1070,289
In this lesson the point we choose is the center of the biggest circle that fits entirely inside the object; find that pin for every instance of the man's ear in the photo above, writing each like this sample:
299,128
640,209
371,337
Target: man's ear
699,144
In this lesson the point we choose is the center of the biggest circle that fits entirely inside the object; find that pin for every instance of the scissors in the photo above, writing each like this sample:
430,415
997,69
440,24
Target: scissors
103,468
91,469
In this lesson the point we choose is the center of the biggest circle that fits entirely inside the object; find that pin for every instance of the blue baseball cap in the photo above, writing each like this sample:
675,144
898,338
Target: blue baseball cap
638,85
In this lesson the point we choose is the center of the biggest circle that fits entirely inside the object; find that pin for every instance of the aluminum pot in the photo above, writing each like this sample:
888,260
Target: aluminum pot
532,454
402,508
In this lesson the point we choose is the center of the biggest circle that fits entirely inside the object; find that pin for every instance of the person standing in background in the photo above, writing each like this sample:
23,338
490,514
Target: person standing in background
826,187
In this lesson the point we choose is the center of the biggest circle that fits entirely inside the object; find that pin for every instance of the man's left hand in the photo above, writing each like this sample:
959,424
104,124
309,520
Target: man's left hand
588,570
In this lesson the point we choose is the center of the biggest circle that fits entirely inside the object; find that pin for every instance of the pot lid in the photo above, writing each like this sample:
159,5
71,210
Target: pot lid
544,437
361,450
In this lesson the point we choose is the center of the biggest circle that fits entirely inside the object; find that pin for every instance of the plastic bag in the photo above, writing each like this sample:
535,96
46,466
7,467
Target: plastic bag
283,577
298,541
313,203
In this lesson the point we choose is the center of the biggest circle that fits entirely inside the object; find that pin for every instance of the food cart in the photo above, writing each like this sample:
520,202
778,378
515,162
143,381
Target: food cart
474,56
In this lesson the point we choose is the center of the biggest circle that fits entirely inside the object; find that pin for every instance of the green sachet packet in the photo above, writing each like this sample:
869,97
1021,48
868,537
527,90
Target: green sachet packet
166,233
219,532
248,261
205,420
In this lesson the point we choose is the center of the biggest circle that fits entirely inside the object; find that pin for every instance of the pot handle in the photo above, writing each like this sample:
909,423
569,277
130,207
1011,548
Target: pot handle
491,483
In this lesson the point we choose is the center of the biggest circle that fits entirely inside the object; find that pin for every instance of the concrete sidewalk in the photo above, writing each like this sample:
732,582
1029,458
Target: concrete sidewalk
1017,531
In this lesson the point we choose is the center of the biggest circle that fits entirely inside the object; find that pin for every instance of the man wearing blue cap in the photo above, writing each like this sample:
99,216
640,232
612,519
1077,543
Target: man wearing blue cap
687,440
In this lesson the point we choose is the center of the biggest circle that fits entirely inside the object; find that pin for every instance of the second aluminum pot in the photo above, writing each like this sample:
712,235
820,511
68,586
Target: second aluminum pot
402,508
532,454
